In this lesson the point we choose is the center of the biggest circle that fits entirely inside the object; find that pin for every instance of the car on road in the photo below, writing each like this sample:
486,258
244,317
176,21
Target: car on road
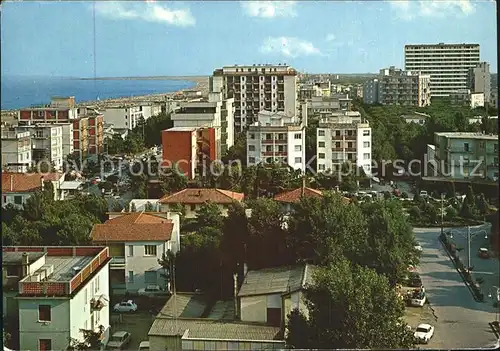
125,306
119,340
424,333
144,346
424,193
484,253
418,247
418,299
151,290
414,280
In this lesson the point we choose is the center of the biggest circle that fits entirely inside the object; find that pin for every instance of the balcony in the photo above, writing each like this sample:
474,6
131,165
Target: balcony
267,141
460,150
97,304
350,137
117,262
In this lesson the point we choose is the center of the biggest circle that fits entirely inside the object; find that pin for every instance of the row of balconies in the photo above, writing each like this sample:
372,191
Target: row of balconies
346,149
344,137
273,153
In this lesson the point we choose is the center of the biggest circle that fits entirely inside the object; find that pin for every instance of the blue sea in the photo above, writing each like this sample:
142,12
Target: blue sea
18,92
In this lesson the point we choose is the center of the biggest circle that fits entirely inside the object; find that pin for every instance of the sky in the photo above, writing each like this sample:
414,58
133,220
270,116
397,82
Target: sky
156,38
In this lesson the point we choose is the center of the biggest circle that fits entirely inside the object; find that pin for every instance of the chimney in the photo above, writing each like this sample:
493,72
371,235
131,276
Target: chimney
25,262
245,269
42,182
235,280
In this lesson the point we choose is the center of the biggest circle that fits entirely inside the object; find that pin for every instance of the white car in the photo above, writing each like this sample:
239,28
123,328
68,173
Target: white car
118,340
144,346
424,333
418,247
125,306
423,193
151,290
418,300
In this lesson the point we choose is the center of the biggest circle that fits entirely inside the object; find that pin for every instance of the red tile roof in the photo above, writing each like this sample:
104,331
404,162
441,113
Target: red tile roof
293,196
25,182
200,196
134,226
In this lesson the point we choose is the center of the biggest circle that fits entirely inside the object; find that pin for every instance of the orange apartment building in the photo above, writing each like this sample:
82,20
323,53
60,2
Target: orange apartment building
87,133
189,149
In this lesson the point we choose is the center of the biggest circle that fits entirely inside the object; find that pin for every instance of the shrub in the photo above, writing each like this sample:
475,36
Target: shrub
404,195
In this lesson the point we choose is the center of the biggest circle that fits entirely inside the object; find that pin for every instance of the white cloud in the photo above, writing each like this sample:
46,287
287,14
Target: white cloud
269,9
149,11
289,47
330,37
409,10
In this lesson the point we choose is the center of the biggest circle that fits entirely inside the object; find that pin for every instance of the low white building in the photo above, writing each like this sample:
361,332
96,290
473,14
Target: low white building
136,241
16,150
415,117
18,187
477,100
122,117
338,143
52,293
47,143
276,138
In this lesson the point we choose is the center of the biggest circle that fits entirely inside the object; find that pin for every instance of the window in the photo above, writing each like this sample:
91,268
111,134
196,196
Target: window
150,277
150,250
269,137
321,156
4,199
337,144
86,297
366,144
44,314
321,132
466,146
321,167
495,147
298,159
12,271
130,276
298,136
45,344
18,200
298,147
321,144
366,132
251,147
366,156
131,250
252,136
337,133
192,207
97,286
251,160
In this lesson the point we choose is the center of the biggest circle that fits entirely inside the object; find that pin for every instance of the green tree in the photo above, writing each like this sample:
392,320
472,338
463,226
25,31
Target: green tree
469,205
353,307
298,330
172,181
238,151
149,207
235,237
451,214
91,340
209,215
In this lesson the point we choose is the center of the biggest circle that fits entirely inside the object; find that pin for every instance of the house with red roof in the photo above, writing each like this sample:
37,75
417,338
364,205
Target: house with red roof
191,199
18,187
136,241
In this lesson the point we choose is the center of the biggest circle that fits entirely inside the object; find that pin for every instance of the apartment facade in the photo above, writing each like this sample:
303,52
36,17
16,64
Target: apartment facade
324,106
447,64
370,91
212,113
16,150
465,155
340,141
276,138
190,149
136,241
480,80
255,88
52,293
398,87
47,144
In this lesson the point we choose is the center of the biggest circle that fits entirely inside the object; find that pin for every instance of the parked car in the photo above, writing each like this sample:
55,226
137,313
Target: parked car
125,306
414,280
119,340
144,346
424,333
418,247
151,290
418,299
423,193
484,253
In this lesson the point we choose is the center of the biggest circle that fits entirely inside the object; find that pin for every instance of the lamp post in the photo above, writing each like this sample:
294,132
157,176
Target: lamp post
468,236
442,213
497,301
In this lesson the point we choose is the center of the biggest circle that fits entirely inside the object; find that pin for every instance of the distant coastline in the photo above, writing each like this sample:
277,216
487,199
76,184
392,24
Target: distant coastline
186,78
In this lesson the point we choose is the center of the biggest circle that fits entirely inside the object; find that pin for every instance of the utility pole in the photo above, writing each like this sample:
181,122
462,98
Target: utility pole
468,248
442,213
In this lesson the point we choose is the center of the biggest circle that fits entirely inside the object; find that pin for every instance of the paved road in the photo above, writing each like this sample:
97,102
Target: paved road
461,321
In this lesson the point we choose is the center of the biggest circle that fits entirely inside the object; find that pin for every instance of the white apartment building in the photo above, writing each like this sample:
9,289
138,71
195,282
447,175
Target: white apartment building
16,150
47,143
339,142
398,87
214,112
465,155
55,292
276,137
370,91
122,117
256,88
480,80
324,106
67,135
136,241
477,100
447,64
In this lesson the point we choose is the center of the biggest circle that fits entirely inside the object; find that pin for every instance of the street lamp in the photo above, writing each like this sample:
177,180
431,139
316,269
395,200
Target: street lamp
497,301
468,237
442,213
